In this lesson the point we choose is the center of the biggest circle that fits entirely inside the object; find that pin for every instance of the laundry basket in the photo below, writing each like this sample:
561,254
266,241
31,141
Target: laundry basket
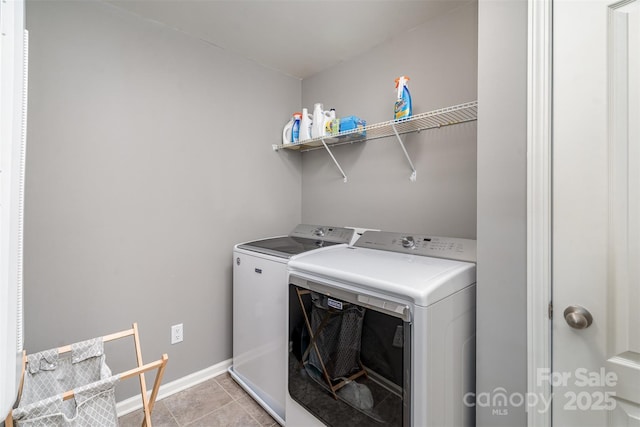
335,329
337,334
49,375
73,386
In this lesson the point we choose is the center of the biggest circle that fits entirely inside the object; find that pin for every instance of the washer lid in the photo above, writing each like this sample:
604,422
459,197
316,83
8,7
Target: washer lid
417,279
303,238
286,246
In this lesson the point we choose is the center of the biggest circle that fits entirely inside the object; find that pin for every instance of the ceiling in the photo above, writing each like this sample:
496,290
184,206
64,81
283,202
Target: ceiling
296,37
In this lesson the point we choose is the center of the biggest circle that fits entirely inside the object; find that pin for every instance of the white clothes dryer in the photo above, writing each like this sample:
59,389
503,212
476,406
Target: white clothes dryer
259,309
383,332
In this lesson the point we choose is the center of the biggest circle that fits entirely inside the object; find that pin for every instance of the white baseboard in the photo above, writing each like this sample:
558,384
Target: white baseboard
134,403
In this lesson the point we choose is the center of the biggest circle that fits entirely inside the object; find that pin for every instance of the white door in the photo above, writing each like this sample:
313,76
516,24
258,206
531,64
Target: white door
596,213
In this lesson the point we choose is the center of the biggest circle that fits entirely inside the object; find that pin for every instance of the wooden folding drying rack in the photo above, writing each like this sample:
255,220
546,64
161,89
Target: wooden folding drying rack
147,402
313,335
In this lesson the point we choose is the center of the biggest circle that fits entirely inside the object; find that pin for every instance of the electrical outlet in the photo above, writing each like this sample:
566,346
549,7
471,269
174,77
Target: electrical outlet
176,334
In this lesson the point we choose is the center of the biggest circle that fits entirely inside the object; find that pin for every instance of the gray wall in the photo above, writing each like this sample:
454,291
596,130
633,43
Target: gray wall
502,216
440,57
145,165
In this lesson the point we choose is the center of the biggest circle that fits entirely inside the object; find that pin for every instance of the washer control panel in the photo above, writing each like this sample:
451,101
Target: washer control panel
420,244
323,232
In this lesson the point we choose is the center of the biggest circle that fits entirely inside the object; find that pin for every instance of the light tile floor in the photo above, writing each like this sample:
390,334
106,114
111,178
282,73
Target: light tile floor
216,402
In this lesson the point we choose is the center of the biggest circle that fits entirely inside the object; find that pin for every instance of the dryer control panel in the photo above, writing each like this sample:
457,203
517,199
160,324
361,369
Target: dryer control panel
323,232
420,244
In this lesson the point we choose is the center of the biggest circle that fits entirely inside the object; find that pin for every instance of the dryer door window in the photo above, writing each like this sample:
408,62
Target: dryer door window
349,364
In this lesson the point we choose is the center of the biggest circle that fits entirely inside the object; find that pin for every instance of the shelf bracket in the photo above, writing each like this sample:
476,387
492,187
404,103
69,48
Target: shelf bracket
344,177
413,176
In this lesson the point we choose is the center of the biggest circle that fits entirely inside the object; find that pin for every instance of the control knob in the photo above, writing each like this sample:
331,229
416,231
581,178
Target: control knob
408,242
319,232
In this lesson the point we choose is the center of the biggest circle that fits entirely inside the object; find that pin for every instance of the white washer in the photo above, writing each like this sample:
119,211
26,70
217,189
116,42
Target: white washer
259,309
416,340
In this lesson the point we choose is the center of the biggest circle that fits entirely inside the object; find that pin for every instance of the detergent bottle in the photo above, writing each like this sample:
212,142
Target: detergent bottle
305,126
317,128
295,129
330,127
287,136
403,108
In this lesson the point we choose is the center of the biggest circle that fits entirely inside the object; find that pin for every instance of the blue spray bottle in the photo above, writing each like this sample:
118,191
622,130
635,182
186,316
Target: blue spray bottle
403,107
295,130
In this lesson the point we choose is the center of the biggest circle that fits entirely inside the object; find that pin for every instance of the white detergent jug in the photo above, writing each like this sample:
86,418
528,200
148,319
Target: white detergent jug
317,128
305,125
287,138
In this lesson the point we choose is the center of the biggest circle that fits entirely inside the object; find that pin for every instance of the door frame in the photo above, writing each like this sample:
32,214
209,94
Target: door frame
539,199
539,205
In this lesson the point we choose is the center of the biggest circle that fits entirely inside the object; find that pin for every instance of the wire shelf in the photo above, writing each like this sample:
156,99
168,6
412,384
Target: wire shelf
449,116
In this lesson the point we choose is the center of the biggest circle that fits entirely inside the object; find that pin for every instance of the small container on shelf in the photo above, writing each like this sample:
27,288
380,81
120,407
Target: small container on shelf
332,124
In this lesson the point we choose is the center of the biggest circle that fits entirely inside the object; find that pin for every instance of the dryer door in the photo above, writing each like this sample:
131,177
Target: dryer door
349,362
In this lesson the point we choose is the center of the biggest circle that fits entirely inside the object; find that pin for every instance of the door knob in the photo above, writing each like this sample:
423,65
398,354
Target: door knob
578,317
